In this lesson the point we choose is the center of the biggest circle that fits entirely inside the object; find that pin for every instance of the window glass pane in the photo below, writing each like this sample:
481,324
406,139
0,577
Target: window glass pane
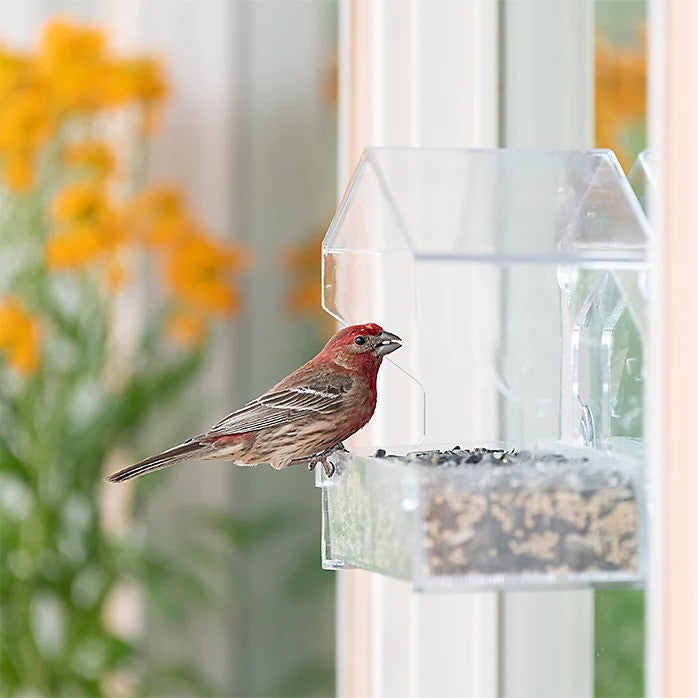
620,66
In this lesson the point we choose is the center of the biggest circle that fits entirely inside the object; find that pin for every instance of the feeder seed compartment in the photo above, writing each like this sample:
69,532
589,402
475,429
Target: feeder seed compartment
497,519
517,280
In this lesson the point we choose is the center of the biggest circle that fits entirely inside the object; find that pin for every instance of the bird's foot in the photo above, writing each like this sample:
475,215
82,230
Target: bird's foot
323,457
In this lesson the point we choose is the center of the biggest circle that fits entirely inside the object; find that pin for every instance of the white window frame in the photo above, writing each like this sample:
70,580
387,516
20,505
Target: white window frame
672,406
415,73
425,73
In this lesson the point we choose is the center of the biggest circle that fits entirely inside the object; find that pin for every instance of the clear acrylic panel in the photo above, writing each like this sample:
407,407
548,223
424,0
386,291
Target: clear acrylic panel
642,178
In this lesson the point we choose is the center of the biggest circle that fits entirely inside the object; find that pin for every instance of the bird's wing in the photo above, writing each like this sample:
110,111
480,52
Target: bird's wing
282,405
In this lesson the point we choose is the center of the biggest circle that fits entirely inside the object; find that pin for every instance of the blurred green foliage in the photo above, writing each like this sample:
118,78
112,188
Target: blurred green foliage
86,361
619,630
58,562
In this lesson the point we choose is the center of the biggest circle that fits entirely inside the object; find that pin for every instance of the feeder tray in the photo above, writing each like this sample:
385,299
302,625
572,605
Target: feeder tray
467,518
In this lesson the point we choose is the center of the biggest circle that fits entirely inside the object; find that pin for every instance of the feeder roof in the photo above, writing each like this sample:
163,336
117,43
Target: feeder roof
505,204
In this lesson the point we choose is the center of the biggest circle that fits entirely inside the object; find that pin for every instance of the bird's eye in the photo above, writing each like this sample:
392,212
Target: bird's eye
360,340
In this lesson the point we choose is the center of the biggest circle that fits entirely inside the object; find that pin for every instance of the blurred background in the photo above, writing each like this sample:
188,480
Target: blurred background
167,171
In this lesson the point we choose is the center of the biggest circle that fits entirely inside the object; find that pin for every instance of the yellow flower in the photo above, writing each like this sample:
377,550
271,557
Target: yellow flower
158,216
85,226
73,58
18,171
197,271
92,155
303,261
619,94
135,79
187,328
19,336
74,248
305,295
79,202
25,125
25,120
13,68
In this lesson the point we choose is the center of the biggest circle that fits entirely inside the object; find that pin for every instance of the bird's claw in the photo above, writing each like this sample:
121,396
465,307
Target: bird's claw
328,467
323,458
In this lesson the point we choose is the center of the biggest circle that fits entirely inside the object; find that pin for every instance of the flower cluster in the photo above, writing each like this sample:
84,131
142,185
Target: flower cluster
90,229
73,72
83,373
52,107
196,269
85,227
91,157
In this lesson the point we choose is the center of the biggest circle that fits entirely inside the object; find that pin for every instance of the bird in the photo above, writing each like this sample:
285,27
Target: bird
304,418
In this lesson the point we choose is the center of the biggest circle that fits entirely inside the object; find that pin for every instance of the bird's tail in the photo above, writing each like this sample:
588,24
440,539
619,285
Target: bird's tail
185,451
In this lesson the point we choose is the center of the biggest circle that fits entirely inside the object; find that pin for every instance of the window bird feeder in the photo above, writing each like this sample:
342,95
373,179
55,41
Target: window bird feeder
511,421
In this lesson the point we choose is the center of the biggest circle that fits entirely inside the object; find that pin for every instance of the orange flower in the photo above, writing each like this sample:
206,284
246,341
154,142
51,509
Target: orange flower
620,94
303,261
188,329
197,271
13,68
26,124
84,76
73,58
74,248
92,155
18,171
305,257
73,71
138,80
135,79
85,226
19,336
79,202
305,295
158,216
25,120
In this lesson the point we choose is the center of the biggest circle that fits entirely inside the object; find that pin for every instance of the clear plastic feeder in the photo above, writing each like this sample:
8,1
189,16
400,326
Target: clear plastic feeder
517,280
642,178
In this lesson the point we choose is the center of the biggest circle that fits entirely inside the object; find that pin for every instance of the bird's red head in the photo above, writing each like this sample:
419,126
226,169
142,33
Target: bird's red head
361,346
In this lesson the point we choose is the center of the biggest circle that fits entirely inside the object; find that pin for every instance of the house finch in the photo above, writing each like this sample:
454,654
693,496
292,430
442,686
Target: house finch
303,419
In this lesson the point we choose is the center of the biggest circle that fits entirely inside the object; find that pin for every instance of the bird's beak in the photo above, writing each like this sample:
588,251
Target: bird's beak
387,342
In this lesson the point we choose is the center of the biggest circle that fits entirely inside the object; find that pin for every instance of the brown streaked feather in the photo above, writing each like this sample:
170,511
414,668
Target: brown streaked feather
283,404
185,451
